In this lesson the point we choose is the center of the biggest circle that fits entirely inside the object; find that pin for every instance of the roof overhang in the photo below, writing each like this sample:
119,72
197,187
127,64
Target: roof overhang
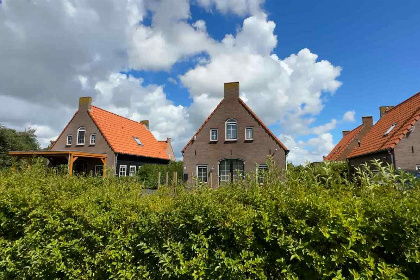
56,154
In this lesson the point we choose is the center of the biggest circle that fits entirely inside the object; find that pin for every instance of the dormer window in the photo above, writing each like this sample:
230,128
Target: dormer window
390,129
231,130
81,136
138,141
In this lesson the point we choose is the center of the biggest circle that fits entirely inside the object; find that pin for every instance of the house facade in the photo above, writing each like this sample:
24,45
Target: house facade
127,144
394,139
350,140
232,141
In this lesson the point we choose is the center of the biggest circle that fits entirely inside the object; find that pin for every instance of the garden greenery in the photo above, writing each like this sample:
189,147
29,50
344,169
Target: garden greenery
304,223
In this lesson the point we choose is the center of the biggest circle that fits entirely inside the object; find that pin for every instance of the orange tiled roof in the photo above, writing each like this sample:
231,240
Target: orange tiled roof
342,145
251,112
163,144
119,132
404,116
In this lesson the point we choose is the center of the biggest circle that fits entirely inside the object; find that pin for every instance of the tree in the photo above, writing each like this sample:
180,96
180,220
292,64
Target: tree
12,140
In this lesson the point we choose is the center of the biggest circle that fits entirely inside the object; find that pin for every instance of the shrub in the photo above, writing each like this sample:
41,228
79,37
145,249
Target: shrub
148,174
60,226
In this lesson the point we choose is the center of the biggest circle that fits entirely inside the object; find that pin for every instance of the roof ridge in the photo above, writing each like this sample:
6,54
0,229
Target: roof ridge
396,106
118,115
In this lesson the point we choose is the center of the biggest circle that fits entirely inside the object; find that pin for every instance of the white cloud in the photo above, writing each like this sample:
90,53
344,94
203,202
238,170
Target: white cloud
312,150
91,42
239,7
349,116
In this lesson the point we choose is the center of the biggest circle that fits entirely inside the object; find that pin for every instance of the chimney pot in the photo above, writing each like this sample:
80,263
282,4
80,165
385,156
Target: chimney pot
367,120
85,103
146,123
231,90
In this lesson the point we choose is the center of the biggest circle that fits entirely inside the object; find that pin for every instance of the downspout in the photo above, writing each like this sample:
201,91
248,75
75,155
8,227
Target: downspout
116,161
391,153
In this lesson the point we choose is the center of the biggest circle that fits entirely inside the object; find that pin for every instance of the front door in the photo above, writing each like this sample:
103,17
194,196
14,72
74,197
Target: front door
230,170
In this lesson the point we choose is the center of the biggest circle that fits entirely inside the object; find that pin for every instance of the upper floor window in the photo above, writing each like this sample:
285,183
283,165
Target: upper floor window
231,130
214,134
81,136
69,140
92,139
249,133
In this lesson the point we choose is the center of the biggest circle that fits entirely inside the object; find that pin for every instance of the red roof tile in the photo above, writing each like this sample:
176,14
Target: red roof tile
404,116
119,132
251,112
342,145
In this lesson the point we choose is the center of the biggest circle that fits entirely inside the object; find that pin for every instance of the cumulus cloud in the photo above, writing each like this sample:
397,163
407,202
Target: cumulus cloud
312,150
44,70
349,116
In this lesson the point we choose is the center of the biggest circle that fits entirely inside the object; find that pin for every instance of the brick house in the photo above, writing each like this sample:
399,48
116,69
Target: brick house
231,141
349,141
394,139
95,137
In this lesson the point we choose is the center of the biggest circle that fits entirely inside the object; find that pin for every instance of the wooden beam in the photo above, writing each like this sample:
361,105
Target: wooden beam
104,167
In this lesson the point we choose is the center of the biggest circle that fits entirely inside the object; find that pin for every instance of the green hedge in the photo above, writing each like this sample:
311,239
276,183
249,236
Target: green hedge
302,227
148,174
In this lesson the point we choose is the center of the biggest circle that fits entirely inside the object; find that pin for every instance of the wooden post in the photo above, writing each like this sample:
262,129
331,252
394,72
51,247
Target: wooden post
159,179
104,168
167,178
70,164
192,178
211,179
174,181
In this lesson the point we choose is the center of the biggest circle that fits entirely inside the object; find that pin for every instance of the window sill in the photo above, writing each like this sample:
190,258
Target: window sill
231,140
78,145
214,141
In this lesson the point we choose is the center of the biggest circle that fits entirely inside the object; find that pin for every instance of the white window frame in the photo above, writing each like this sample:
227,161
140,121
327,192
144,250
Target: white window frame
96,166
92,136
138,141
390,129
252,132
132,172
217,134
260,179
231,121
207,172
71,140
82,128
121,169
418,167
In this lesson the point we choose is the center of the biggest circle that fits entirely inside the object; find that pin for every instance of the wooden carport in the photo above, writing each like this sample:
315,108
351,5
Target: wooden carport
71,157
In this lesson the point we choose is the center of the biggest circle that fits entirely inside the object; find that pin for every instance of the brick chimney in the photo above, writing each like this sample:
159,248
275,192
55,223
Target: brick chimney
345,132
146,123
231,90
168,140
85,103
384,109
367,121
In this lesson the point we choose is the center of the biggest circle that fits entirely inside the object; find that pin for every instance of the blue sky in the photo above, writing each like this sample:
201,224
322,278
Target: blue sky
302,65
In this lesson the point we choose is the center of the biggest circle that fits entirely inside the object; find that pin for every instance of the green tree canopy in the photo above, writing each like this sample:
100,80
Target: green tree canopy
12,140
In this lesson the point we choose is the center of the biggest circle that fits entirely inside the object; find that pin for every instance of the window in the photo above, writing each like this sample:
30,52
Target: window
418,167
92,139
69,139
231,169
99,169
81,136
138,141
262,169
390,129
249,133
231,130
202,174
132,170
123,170
214,134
